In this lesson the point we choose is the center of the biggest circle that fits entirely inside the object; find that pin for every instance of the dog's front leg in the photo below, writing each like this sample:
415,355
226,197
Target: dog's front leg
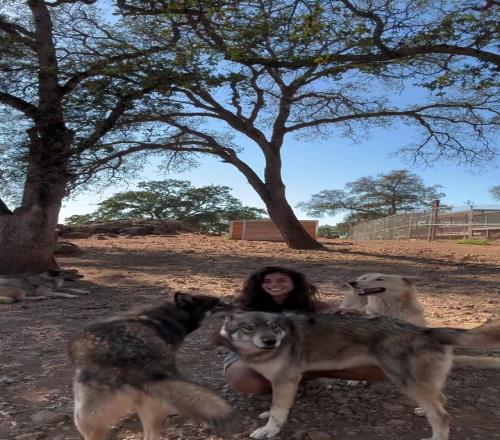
283,397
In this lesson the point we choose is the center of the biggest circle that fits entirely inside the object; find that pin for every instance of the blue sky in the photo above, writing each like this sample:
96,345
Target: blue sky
309,167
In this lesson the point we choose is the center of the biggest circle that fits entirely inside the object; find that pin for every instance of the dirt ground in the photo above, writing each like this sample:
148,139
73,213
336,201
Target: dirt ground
460,287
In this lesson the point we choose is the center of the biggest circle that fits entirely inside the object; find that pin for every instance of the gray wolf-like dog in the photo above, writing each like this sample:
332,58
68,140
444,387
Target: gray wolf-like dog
126,365
282,347
34,287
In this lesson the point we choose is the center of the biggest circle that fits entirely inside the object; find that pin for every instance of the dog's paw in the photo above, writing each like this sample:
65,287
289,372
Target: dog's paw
264,415
355,383
419,412
80,291
265,432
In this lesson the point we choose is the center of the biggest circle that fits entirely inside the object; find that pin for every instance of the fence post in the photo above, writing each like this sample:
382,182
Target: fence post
471,213
409,226
434,220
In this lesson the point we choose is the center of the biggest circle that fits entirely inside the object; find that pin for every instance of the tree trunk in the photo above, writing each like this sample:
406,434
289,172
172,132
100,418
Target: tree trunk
272,193
27,235
293,232
27,239
280,211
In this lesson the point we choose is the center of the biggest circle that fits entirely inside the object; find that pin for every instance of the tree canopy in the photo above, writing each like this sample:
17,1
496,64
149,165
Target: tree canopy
344,64
495,192
370,197
208,208
63,61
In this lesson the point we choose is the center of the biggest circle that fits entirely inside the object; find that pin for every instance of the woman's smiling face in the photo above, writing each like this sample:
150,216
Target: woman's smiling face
278,286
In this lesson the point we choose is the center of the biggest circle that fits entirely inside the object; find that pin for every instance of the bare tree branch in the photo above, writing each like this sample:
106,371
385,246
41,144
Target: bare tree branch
19,104
18,33
4,209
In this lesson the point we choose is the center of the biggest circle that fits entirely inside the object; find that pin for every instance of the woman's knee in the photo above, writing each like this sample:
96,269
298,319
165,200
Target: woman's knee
247,380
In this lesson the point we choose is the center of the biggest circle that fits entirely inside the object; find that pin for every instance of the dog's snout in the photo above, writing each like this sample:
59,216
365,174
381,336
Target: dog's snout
353,283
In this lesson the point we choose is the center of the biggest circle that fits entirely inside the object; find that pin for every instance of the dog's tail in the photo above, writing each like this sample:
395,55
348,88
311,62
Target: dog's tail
486,335
194,401
481,362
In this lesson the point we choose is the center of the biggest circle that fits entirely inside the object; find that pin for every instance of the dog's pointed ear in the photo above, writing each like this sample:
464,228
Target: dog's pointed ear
223,308
221,337
411,280
183,299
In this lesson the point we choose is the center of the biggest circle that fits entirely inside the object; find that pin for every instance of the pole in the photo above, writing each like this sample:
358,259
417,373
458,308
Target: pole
471,213
434,220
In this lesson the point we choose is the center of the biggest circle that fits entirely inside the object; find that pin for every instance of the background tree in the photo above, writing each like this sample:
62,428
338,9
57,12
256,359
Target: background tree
328,231
495,192
208,208
79,219
343,228
287,67
370,197
67,80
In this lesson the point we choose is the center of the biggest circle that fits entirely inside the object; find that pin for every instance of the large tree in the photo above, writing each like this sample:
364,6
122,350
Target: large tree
286,67
66,79
370,197
207,208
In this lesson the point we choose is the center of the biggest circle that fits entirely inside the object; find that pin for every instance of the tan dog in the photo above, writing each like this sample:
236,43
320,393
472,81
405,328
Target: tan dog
389,295
396,296
38,286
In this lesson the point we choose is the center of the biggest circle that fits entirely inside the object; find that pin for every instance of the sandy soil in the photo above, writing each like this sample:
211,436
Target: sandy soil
460,287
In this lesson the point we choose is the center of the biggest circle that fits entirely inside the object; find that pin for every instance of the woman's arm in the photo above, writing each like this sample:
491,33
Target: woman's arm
327,307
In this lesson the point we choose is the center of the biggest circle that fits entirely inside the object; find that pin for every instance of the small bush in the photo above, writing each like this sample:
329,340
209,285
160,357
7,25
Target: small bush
327,231
478,241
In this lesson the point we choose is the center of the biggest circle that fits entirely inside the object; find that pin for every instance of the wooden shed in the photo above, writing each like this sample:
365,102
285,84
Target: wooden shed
265,230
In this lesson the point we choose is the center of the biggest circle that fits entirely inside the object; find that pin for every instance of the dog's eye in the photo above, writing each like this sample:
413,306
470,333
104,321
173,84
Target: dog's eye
379,279
274,327
247,328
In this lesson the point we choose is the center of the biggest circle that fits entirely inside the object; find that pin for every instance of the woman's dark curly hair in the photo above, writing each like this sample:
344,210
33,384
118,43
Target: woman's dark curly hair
301,297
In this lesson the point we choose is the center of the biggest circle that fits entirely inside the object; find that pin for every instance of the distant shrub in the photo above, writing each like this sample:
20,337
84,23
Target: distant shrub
477,241
328,231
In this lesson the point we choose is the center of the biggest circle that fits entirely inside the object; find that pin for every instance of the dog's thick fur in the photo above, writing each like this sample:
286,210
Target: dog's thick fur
282,347
126,365
38,286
